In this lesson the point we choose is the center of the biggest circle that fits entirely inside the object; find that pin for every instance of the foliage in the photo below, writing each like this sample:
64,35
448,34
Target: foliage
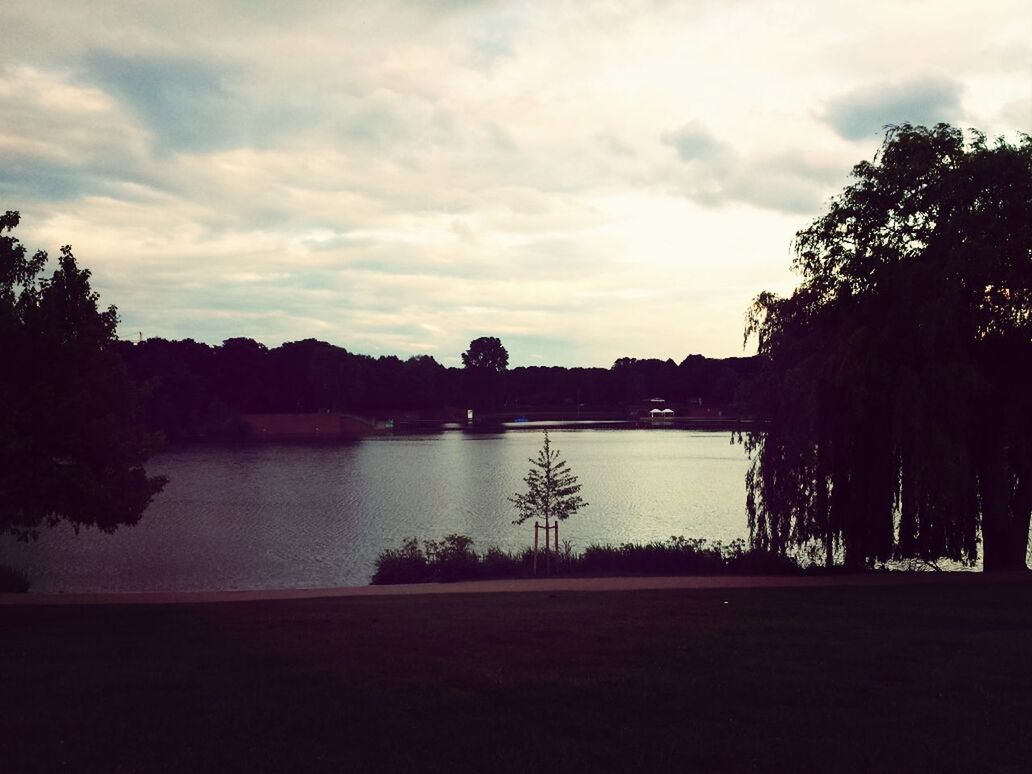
740,559
896,375
484,365
486,354
13,581
677,556
496,563
685,556
449,559
195,390
407,564
72,439
453,559
552,489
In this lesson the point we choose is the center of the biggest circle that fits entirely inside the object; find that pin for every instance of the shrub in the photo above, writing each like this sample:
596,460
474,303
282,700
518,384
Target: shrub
741,560
407,564
13,581
502,564
452,559
676,556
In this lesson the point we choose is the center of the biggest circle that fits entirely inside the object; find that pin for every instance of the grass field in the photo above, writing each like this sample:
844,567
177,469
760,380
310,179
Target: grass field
882,678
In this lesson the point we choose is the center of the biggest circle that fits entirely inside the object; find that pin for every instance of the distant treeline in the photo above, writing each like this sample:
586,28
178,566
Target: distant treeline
196,390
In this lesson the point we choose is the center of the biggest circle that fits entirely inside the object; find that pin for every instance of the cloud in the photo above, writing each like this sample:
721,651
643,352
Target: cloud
490,46
184,102
29,177
694,142
614,146
714,174
1018,113
60,140
864,112
359,171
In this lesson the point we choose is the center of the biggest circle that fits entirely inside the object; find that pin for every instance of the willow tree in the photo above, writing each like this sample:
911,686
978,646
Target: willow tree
896,384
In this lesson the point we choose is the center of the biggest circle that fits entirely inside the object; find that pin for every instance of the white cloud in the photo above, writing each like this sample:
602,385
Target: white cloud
590,180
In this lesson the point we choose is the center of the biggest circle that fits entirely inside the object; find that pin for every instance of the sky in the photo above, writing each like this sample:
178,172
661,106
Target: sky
584,180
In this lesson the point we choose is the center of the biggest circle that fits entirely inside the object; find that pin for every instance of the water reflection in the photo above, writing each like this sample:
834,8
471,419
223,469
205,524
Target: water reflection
303,516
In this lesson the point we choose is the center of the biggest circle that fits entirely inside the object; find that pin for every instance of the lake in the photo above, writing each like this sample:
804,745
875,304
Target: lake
296,516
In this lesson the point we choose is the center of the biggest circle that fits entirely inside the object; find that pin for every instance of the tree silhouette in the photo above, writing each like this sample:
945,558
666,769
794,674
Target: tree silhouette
896,375
195,390
486,354
484,364
72,440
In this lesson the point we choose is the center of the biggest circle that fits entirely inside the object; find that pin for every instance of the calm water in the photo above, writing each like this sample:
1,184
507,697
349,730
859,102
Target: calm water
307,516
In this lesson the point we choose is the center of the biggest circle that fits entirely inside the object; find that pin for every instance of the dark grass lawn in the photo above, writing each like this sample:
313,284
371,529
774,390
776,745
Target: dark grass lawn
908,678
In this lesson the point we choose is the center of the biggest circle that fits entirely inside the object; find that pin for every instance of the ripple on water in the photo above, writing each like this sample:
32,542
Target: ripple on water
303,516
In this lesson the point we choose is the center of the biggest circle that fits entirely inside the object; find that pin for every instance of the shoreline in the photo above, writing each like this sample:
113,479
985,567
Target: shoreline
508,586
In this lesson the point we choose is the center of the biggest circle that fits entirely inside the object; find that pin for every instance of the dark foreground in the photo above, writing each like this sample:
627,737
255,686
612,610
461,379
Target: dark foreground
860,678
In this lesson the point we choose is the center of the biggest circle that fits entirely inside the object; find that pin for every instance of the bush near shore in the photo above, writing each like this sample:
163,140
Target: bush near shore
454,559
12,580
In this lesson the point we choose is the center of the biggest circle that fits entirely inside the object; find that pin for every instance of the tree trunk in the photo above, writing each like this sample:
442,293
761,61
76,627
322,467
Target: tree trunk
1004,543
548,549
1004,531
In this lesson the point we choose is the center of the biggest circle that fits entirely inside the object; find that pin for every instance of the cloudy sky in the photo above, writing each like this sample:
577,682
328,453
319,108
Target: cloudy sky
584,180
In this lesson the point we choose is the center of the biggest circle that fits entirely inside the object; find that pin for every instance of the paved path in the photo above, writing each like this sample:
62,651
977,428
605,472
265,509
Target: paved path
508,586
